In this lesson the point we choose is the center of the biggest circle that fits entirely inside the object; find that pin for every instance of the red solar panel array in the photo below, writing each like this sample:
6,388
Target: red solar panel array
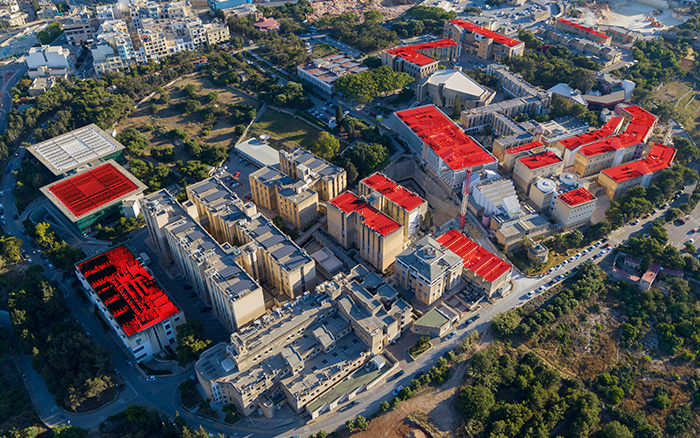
510,42
477,259
413,53
92,189
128,291
399,195
348,202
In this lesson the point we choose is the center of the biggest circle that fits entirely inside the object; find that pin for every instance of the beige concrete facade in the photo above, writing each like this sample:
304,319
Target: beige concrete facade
295,202
326,179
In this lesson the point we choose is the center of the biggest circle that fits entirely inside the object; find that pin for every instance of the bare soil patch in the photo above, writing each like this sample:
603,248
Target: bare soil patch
390,9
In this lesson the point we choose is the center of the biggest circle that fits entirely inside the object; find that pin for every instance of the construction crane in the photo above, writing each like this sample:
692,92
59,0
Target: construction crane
465,199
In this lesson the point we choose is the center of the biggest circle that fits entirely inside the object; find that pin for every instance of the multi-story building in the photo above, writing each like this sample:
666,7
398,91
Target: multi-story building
294,200
216,33
324,178
267,254
617,180
446,149
236,299
420,60
509,157
512,232
113,49
323,72
516,86
97,195
49,61
131,301
78,30
485,43
399,203
481,268
11,14
304,350
540,165
353,221
574,208
77,150
582,31
428,269
444,86
570,146
603,54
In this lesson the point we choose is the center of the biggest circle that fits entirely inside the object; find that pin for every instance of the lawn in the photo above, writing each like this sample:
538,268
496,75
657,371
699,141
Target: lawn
283,126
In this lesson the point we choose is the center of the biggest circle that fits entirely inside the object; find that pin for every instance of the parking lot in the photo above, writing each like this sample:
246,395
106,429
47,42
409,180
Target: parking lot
325,113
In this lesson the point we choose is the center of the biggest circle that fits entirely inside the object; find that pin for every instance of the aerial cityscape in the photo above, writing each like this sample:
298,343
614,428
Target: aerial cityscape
335,218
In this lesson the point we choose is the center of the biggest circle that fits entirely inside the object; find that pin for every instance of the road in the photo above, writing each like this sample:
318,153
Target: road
10,74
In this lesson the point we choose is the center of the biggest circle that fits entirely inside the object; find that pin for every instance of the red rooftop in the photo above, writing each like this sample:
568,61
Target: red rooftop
584,28
377,221
542,159
577,196
510,42
445,138
660,157
93,189
524,147
606,131
413,53
476,258
128,291
399,195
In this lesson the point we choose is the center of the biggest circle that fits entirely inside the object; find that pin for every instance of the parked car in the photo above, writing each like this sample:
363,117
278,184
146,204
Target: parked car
237,174
397,391
130,364
151,379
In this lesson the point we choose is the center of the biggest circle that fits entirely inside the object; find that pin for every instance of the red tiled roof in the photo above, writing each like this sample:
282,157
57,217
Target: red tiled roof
478,260
266,23
90,190
577,196
660,157
637,131
500,38
524,147
399,195
445,138
373,218
542,159
128,291
413,53
584,28
589,137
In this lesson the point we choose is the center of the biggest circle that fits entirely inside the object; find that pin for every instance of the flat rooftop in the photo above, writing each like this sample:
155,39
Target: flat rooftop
524,147
377,221
476,258
445,138
128,291
606,131
500,38
660,157
584,28
540,160
413,53
84,193
397,194
577,196
71,150
330,68
258,152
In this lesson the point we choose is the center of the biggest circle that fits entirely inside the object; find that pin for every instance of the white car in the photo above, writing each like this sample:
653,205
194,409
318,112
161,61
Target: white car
151,379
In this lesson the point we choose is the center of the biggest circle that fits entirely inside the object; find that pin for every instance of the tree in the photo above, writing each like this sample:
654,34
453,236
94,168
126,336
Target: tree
191,341
679,420
373,15
686,151
367,157
190,91
384,406
361,422
133,140
350,424
366,86
504,324
615,429
429,218
212,97
690,248
64,431
325,146
574,238
475,402
321,434
456,106
339,114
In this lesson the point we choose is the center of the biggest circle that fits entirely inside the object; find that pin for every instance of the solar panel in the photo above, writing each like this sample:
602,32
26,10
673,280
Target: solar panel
272,240
207,245
186,226
204,187
284,251
214,196
239,286
229,271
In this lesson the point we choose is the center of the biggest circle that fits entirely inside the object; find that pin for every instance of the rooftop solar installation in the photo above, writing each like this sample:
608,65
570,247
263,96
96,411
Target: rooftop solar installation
128,291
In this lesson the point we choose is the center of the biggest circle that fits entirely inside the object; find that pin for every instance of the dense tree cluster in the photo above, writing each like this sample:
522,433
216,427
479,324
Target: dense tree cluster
53,31
516,395
589,281
657,62
366,86
74,368
552,65
155,177
210,154
135,142
191,341
422,19
58,251
368,36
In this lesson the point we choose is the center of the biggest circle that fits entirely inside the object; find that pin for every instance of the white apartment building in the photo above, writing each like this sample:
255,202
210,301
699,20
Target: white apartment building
11,15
